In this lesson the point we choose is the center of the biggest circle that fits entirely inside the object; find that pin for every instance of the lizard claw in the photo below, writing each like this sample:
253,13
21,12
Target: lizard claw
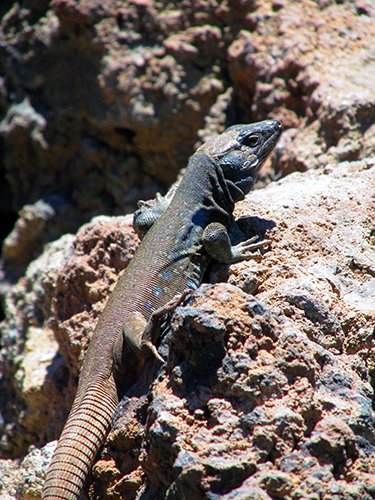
149,349
248,249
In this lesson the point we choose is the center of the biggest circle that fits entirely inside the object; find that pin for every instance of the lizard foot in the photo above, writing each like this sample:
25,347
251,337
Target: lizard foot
248,249
155,321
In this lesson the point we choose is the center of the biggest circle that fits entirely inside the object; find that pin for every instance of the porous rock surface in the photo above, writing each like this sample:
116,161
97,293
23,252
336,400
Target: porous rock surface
102,101
267,390
60,297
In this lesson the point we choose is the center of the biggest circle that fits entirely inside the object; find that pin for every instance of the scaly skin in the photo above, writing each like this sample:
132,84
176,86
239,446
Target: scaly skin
183,235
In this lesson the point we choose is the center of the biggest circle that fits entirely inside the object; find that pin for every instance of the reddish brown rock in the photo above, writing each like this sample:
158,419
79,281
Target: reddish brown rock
51,313
103,101
102,250
266,395
101,104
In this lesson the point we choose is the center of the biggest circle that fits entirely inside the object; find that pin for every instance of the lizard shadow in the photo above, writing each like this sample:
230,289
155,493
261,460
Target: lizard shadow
254,226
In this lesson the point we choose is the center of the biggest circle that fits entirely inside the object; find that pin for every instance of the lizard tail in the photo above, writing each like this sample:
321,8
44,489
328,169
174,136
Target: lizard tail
84,432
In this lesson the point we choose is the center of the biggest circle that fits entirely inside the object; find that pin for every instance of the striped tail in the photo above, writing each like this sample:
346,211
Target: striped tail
84,432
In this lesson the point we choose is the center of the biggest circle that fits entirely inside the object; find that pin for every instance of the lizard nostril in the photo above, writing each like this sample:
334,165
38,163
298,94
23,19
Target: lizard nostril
278,125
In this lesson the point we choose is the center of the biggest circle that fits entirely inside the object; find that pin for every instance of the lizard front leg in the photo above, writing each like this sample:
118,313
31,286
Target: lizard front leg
150,211
217,244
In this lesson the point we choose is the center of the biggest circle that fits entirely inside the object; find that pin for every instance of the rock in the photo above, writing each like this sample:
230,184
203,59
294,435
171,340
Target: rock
267,391
33,371
113,134
36,224
51,313
102,249
24,480
271,396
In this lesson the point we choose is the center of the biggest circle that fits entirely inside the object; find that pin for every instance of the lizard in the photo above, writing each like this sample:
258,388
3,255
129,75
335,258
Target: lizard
183,233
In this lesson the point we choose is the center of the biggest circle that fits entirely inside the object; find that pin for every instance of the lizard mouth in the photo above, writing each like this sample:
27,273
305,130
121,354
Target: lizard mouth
242,175
270,142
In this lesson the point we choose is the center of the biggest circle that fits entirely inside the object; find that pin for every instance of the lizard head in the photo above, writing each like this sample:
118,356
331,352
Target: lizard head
241,151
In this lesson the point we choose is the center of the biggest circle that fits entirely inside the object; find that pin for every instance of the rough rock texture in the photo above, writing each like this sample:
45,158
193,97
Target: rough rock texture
28,394
270,397
24,480
102,102
267,391
60,298
267,398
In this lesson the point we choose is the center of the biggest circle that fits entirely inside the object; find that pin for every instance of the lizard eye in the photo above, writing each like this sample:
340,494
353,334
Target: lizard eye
250,140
